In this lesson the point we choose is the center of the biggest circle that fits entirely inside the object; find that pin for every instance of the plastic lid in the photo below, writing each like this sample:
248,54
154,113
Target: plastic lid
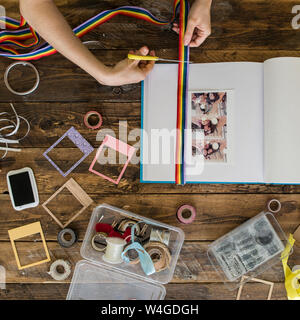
92,282
248,250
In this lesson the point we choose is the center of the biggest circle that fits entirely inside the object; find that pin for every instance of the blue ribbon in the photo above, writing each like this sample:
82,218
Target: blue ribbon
145,259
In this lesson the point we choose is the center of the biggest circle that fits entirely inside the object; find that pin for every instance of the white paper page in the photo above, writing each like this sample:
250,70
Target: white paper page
245,81
159,113
282,114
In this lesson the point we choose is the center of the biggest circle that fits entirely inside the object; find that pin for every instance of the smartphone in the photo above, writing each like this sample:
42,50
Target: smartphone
22,189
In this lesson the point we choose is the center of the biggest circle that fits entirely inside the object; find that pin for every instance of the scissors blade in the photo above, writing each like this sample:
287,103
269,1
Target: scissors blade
170,60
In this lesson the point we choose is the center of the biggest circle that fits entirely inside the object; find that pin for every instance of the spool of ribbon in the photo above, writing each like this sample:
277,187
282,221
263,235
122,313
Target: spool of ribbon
160,255
16,34
114,250
128,223
145,259
291,276
11,128
99,238
109,230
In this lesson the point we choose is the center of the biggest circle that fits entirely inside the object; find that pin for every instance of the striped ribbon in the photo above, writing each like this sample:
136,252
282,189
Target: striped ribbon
182,93
18,34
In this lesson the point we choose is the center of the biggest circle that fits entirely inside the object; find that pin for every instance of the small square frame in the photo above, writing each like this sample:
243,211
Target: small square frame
79,142
25,231
269,283
78,193
118,146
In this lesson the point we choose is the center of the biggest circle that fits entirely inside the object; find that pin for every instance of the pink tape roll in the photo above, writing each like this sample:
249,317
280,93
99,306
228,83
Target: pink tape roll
277,205
183,208
86,120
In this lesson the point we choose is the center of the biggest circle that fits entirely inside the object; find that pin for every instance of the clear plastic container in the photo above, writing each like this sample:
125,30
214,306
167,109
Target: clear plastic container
248,250
91,282
93,277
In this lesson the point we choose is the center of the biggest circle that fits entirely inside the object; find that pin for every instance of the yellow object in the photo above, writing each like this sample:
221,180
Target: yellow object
291,276
150,58
25,231
136,57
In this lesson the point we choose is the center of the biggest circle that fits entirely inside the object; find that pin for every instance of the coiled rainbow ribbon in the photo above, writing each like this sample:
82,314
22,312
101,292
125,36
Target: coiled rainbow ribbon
17,34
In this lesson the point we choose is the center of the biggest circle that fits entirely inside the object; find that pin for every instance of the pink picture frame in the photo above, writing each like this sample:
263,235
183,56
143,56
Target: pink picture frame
118,146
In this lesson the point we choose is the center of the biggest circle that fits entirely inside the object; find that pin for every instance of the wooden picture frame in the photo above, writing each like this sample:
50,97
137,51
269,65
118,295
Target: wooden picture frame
269,283
78,193
25,231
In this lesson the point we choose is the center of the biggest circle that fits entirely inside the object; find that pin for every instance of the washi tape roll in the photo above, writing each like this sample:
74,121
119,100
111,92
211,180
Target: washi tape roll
60,276
191,214
159,254
274,203
100,239
23,64
61,238
87,120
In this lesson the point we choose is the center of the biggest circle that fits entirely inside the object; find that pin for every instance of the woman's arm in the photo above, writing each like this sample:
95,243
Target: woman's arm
44,17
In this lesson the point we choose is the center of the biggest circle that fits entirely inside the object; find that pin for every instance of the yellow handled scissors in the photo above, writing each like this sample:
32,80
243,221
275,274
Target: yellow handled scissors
150,58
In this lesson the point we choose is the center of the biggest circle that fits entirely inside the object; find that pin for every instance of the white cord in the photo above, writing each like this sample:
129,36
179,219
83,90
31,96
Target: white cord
5,138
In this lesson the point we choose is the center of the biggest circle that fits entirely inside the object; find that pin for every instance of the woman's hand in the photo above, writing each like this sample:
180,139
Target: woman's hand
198,26
130,71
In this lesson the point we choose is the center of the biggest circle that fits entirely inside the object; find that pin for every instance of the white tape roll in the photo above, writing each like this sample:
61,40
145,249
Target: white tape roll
57,275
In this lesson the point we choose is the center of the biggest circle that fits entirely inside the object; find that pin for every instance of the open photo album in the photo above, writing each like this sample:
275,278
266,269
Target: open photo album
242,123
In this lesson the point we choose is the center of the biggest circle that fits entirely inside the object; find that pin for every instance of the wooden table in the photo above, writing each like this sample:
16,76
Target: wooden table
242,30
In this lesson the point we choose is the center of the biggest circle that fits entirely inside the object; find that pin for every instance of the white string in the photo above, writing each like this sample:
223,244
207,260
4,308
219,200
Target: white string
14,127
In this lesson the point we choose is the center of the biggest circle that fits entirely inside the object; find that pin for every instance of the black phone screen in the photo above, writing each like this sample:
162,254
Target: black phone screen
21,189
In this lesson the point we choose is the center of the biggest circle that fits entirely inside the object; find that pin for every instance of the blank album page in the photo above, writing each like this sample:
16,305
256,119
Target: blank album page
282,116
225,109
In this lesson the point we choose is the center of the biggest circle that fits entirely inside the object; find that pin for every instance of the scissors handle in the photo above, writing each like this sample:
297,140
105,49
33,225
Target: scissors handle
137,57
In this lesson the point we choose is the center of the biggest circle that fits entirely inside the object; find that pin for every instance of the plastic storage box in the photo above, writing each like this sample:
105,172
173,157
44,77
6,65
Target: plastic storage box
95,279
248,250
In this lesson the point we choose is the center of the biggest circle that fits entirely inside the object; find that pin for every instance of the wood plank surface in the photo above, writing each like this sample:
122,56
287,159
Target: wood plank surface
216,214
193,264
192,291
242,30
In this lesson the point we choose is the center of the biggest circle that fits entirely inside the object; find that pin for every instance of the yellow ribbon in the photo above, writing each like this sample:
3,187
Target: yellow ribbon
292,277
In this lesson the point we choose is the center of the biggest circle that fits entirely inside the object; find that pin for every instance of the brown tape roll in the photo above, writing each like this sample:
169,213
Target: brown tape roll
160,255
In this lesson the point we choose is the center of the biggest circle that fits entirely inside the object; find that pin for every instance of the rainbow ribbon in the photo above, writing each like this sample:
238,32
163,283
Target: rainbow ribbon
182,94
17,35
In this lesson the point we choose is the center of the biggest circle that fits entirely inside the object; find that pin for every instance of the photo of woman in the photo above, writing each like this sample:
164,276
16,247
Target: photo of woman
212,150
214,127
